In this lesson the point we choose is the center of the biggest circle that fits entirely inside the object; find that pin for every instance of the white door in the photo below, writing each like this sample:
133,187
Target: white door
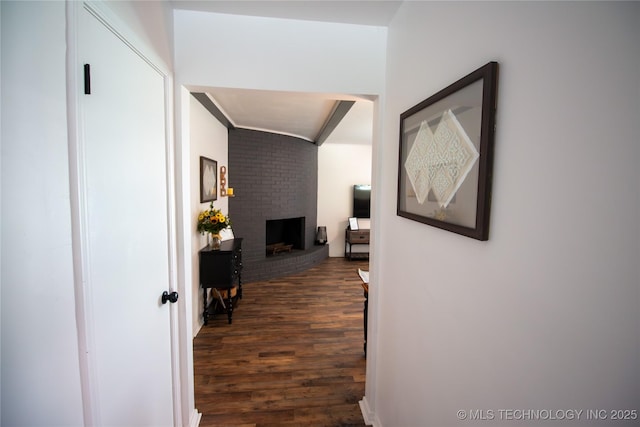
123,162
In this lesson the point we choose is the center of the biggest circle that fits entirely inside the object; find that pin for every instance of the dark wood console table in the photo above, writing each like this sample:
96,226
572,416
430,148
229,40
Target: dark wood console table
355,237
221,270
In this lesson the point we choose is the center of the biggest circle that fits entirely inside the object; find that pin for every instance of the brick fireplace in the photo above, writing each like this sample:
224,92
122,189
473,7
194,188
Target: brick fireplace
274,177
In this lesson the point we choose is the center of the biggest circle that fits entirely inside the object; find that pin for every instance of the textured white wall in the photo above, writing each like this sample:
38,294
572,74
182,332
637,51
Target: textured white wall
209,138
545,314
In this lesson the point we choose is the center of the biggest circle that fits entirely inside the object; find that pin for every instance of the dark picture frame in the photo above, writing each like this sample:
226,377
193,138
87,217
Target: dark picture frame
446,156
208,180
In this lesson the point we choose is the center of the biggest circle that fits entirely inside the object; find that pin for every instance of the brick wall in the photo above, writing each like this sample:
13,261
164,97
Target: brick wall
273,177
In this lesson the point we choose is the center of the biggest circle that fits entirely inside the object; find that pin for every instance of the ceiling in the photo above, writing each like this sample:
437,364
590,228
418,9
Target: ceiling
317,118
361,12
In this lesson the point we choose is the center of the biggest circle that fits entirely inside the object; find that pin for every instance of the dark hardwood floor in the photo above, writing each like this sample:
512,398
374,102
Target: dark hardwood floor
293,355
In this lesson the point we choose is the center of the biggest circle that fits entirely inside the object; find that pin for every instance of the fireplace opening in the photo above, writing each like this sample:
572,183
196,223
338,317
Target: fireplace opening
284,235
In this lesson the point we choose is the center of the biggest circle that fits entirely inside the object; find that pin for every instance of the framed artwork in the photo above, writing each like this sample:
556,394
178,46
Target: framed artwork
208,180
446,156
353,224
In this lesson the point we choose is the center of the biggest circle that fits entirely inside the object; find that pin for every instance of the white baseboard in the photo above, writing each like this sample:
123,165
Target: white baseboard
194,420
369,417
200,325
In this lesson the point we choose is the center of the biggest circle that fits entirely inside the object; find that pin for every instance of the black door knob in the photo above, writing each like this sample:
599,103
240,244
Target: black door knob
171,297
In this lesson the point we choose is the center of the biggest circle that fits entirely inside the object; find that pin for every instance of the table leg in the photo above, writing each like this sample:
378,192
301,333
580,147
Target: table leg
205,313
366,315
229,304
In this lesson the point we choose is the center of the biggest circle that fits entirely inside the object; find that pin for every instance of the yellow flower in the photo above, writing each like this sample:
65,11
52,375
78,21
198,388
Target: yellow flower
212,221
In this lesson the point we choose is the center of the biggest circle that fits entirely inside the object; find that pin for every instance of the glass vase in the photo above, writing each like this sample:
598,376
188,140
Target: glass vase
214,241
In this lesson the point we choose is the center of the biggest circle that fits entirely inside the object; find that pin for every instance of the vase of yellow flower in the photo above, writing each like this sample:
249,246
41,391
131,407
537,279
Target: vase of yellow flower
212,222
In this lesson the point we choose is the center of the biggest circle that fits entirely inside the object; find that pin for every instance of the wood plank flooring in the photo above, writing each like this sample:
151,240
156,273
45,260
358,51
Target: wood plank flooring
293,355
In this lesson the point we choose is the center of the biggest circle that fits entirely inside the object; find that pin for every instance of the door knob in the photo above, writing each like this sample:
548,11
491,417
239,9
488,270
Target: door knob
171,297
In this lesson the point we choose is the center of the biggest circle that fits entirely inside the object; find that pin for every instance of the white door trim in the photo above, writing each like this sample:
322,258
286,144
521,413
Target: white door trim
179,355
78,213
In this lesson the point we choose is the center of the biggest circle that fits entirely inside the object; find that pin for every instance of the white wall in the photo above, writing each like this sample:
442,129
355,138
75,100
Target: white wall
340,166
40,375
208,138
278,54
545,314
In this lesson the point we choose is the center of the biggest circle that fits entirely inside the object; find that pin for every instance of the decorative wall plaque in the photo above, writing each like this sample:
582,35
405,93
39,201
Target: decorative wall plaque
446,156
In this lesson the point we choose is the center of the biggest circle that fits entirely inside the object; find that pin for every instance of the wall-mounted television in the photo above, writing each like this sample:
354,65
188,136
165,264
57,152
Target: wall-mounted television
362,201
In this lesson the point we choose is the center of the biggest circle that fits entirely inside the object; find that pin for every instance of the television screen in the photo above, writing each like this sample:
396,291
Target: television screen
362,201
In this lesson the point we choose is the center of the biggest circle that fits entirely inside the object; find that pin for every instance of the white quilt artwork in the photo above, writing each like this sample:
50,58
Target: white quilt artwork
440,161
209,181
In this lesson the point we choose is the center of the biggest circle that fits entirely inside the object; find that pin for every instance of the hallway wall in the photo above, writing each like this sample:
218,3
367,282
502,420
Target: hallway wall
544,315
40,367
